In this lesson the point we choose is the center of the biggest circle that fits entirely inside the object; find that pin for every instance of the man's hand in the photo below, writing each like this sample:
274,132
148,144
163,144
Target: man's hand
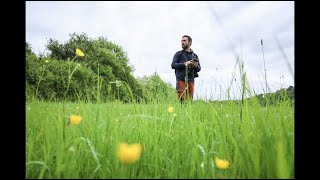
189,63
192,64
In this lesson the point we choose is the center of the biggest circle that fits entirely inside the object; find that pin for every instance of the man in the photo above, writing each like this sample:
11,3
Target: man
186,64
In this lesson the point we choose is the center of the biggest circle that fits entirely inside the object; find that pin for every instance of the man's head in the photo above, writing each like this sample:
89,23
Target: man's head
186,41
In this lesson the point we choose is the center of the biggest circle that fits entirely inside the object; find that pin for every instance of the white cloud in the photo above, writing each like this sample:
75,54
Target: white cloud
150,32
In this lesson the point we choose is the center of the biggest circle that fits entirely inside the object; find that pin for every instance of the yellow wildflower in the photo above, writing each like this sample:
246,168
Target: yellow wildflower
129,154
75,119
79,52
46,61
221,164
170,109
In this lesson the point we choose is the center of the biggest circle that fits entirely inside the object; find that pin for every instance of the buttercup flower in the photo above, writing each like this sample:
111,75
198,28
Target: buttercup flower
221,164
129,154
79,53
75,119
170,109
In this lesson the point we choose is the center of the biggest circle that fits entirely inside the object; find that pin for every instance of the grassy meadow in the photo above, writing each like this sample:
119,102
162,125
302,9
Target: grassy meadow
194,140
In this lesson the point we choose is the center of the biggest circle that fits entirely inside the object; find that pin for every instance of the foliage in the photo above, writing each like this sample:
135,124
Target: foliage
104,63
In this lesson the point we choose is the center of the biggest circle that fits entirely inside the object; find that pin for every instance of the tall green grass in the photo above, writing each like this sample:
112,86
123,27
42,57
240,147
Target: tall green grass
257,141
184,145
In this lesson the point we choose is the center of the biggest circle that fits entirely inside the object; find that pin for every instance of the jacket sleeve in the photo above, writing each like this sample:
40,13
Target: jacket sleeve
198,68
175,62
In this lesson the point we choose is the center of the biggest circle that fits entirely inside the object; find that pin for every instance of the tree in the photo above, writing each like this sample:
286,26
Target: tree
104,62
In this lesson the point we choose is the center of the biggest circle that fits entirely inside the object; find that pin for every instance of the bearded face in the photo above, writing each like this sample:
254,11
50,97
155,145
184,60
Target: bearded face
185,43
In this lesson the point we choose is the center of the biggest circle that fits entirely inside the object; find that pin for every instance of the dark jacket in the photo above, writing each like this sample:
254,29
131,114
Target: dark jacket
178,61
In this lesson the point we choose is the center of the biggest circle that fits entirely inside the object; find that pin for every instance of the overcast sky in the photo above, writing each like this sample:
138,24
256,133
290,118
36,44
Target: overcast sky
150,32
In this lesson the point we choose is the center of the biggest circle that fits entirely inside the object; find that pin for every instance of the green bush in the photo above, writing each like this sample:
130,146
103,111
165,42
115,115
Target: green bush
48,76
49,80
155,89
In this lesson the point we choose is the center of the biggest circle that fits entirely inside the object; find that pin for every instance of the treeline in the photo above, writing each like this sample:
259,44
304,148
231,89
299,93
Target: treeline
284,94
280,96
102,74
